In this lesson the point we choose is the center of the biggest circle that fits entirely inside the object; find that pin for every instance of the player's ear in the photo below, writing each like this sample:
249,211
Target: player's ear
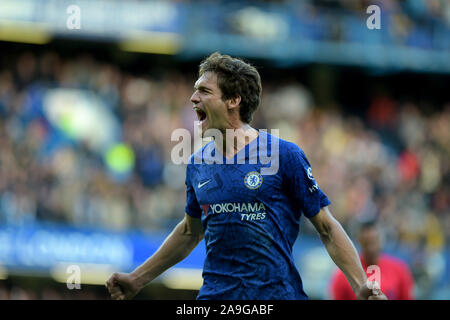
233,103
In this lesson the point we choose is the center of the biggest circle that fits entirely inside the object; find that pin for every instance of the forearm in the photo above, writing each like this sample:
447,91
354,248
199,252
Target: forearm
177,246
344,254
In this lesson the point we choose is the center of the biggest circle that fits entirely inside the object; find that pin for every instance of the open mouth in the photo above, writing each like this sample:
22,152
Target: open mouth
200,114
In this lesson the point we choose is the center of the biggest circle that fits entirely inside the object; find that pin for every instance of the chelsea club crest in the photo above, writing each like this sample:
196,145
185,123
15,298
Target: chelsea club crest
253,180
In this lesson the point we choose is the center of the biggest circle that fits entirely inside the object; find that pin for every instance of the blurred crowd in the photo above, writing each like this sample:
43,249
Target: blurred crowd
392,164
416,23
423,24
413,10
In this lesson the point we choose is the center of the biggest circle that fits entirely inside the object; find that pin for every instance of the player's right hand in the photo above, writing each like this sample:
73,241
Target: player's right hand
122,286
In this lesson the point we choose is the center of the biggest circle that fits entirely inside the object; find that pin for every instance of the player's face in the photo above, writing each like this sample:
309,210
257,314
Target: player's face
207,99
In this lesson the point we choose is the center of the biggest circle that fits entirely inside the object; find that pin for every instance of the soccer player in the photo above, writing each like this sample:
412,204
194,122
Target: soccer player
248,213
395,278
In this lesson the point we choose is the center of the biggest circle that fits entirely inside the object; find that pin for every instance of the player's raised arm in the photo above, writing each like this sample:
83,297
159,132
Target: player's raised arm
177,246
343,253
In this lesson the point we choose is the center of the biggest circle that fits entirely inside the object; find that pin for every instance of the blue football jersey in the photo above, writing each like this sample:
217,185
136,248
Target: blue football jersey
251,220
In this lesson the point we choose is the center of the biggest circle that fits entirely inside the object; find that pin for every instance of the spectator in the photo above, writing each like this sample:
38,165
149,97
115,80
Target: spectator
395,278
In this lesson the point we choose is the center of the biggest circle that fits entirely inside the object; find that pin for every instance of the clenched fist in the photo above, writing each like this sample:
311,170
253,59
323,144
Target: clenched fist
369,292
122,286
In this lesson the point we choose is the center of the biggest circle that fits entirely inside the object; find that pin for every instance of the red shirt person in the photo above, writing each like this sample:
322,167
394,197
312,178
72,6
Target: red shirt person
393,275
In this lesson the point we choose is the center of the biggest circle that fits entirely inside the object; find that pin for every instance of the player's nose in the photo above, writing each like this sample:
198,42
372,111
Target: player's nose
195,97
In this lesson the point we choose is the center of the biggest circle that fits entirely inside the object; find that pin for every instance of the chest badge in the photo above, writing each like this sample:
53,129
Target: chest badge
253,180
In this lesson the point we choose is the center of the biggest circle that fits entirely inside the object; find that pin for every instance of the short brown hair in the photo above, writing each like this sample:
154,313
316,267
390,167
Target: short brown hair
235,78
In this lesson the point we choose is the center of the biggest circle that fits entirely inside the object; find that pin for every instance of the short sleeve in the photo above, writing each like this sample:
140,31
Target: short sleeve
192,206
301,184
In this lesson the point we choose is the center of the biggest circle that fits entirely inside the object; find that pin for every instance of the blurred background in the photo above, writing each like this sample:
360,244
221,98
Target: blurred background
90,92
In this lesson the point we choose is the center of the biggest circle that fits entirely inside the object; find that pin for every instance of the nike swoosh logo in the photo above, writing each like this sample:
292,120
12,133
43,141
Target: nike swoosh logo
202,184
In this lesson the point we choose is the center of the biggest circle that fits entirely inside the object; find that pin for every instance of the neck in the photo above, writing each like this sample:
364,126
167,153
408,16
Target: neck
370,260
236,138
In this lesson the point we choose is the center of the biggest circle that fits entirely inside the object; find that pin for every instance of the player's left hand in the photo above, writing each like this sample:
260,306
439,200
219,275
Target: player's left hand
377,294
369,292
